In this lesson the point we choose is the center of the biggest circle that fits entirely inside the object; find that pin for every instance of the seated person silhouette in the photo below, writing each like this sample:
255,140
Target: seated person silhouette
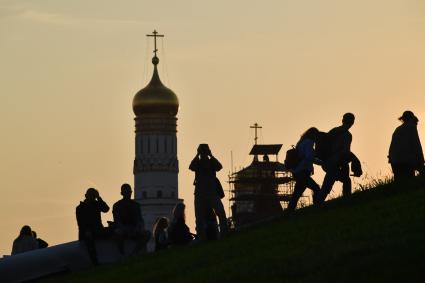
24,242
128,221
160,234
178,232
89,221
42,244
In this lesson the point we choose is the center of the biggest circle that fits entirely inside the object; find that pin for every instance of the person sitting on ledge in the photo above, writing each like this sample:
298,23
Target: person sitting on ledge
89,221
128,221
42,244
24,242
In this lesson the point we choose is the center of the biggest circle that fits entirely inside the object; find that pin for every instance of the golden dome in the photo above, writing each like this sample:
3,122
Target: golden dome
155,98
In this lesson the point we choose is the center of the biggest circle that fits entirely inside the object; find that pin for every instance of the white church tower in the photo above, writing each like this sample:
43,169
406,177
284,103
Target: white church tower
155,165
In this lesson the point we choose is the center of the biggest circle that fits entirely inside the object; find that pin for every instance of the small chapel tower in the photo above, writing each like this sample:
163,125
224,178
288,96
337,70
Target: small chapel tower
156,165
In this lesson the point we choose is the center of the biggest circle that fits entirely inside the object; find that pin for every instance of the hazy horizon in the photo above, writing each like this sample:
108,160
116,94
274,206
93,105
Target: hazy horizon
70,71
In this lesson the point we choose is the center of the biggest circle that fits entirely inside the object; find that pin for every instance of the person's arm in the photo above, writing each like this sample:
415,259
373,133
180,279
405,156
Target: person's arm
194,164
116,213
81,220
102,205
14,248
216,164
140,219
418,147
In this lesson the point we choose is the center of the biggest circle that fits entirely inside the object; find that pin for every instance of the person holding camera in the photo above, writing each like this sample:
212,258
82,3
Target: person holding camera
89,220
208,190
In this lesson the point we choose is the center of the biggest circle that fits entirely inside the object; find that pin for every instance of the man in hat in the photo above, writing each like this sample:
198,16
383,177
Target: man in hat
405,154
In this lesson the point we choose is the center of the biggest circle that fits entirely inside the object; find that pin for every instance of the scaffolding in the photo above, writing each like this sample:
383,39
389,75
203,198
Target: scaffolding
262,189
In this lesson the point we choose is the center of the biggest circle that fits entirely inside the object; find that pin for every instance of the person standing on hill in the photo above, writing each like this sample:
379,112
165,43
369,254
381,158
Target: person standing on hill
405,153
207,190
304,169
339,156
89,221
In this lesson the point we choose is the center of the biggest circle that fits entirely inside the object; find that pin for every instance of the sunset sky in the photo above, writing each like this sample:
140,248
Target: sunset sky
69,71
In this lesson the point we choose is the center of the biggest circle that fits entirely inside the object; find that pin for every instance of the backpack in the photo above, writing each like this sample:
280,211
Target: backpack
323,147
292,158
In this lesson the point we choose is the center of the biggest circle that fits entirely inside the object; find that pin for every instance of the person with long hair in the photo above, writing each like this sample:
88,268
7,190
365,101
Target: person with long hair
304,169
24,242
179,233
160,233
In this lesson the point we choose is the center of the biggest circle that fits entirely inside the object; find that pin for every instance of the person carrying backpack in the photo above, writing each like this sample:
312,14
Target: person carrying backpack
335,149
303,168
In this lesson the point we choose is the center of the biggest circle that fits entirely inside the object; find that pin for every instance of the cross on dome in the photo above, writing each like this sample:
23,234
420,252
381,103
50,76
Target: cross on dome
155,35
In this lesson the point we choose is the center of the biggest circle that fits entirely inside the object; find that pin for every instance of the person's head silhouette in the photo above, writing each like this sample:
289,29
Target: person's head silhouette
126,191
25,231
92,194
408,116
204,150
348,120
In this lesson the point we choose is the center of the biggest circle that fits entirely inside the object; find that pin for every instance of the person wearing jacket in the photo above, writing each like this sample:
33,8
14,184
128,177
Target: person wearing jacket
89,221
178,232
24,242
304,169
128,221
405,153
207,196
337,164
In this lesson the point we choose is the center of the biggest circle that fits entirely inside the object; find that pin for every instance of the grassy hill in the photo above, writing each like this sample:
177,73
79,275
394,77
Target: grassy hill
376,235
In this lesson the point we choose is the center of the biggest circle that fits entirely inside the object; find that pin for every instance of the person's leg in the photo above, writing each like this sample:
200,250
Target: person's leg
119,238
88,240
300,186
396,171
200,207
403,171
212,225
312,185
218,207
328,183
344,177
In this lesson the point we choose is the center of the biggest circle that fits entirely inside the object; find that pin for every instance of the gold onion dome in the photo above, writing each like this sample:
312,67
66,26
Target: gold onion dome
155,98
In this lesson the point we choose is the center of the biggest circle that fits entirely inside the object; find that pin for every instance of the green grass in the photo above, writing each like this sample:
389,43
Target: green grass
377,235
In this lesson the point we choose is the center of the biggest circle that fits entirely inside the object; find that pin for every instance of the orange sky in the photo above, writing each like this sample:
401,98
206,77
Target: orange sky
69,72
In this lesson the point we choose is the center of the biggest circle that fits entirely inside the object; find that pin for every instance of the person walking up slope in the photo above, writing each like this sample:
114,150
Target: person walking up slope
304,169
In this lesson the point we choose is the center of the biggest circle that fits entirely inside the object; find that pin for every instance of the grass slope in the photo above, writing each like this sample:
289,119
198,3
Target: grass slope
374,236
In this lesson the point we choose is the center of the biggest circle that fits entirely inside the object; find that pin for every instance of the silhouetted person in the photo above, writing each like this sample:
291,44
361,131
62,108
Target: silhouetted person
128,221
160,234
337,162
42,244
178,232
205,166
89,221
24,242
303,171
405,154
